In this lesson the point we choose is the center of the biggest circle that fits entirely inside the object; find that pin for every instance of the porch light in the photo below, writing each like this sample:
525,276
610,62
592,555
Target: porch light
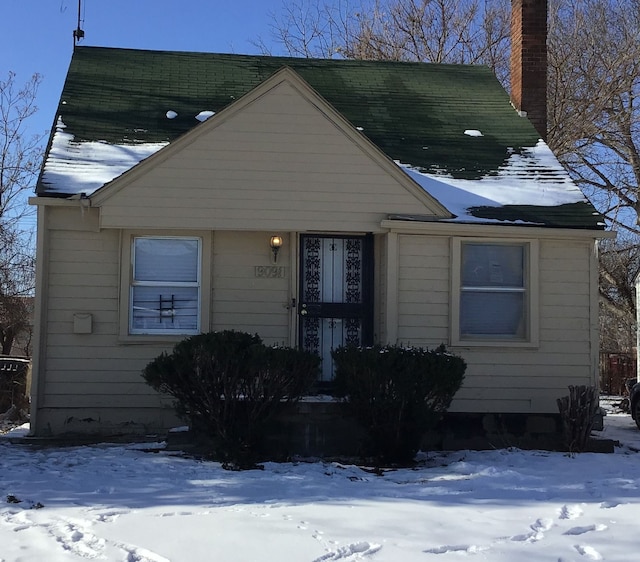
276,244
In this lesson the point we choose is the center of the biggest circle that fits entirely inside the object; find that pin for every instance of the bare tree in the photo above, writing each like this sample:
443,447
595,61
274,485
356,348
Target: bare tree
446,31
20,157
619,266
309,29
16,292
594,94
594,128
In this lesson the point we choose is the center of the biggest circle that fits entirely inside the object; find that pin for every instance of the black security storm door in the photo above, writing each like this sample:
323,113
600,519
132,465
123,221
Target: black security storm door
336,305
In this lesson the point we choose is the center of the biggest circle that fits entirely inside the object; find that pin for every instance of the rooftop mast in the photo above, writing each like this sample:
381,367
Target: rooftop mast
78,33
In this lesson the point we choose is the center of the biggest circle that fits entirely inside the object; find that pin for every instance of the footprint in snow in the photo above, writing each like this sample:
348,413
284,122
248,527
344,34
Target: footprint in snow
459,548
77,540
585,529
19,519
353,551
588,551
537,531
136,554
609,505
570,512
110,516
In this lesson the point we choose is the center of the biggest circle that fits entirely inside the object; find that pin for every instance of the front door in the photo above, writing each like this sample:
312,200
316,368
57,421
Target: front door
336,304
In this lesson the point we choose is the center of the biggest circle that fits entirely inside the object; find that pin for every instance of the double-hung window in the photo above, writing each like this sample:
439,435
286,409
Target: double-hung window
495,292
165,285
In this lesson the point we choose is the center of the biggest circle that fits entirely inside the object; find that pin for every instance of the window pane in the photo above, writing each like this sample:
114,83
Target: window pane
498,315
164,308
159,259
492,265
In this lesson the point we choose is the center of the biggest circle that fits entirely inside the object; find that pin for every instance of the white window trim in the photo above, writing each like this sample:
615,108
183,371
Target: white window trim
126,335
532,303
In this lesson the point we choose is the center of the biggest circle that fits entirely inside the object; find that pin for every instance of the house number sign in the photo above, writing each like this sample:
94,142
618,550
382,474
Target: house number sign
270,271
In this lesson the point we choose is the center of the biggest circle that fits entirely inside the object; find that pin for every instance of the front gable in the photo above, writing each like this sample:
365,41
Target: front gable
279,158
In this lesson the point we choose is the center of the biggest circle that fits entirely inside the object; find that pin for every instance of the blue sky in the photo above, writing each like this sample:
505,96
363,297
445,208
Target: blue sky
37,35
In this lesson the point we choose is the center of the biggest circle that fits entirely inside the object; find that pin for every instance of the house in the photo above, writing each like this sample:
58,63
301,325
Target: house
316,203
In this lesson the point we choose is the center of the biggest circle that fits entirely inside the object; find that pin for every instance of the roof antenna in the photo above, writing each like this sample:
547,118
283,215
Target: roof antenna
78,34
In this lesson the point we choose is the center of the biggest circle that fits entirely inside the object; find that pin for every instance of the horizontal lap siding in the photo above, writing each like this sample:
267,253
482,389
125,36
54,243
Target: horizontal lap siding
423,290
501,379
279,163
82,277
103,405
536,378
88,370
99,374
242,301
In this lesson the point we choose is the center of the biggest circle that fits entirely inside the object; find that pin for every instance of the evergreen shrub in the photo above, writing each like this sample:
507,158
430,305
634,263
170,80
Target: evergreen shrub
397,393
228,385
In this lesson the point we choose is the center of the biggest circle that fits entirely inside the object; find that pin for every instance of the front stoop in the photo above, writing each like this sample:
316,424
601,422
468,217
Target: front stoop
325,430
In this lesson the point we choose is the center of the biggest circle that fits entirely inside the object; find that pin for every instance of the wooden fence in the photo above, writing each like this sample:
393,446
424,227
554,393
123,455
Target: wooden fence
616,369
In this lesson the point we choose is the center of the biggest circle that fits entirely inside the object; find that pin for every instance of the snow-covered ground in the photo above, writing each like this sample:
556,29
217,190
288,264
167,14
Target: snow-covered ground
125,503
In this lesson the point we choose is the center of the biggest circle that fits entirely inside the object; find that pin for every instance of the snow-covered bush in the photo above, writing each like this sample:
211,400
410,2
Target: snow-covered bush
228,385
397,393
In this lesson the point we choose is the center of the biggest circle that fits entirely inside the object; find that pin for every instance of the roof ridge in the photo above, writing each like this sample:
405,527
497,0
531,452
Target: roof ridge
311,60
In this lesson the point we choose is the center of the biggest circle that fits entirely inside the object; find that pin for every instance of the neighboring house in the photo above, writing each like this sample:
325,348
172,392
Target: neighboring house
413,204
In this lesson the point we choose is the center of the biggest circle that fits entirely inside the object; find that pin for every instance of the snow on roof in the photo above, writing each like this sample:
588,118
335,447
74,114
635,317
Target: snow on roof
82,167
532,177
204,115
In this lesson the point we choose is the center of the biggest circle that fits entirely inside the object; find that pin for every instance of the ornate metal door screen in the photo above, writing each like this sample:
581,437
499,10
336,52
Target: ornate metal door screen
335,295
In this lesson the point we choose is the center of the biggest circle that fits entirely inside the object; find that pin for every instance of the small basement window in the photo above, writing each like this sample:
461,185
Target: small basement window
165,285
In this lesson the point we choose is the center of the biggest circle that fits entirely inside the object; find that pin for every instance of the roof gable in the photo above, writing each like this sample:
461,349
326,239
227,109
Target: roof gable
280,147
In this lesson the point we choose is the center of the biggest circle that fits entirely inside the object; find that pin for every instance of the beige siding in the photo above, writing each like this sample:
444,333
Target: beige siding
242,301
279,164
89,371
98,375
505,379
423,290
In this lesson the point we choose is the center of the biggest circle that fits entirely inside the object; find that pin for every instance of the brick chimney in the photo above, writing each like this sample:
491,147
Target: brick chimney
529,61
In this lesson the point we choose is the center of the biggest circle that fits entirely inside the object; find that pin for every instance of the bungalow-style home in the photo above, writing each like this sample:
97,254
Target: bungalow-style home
316,203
